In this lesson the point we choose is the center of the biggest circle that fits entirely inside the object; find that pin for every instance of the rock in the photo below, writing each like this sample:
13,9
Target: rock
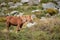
14,13
33,16
31,2
20,14
24,1
3,4
18,4
47,15
48,5
56,0
35,10
31,24
59,10
43,18
58,3
13,6
10,3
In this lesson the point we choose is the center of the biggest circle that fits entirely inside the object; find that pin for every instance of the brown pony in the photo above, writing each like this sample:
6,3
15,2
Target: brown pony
17,21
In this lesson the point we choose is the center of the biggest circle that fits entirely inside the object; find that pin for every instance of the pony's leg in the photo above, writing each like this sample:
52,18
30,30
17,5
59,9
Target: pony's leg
7,26
17,29
21,25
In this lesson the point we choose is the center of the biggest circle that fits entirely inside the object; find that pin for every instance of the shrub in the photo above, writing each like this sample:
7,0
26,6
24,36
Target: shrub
2,19
52,11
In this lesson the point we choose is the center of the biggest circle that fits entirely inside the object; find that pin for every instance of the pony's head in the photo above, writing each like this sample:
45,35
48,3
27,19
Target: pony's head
27,18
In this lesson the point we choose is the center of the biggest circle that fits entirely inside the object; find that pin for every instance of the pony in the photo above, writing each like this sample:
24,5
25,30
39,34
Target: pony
17,21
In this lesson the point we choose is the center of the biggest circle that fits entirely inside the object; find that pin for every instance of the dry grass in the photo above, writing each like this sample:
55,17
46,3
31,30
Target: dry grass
47,24
48,29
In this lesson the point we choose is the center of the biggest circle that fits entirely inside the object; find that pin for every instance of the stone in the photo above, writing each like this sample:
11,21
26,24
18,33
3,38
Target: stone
31,2
10,3
14,13
58,3
23,1
56,0
33,16
18,4
31,24
20,14
36,10
13,6
3,4
48,5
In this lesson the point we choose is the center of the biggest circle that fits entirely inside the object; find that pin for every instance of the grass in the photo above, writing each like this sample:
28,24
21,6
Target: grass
41,31
44,30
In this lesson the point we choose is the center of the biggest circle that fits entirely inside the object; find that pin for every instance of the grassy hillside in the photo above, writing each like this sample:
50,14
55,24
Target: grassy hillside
44,30
49,30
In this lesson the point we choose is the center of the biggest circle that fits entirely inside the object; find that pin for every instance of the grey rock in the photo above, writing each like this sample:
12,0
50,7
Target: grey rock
56,0
48,5
15,6
31,2
20,14
14,12
3,4
33,16
23,1
10,3
58,4
36,10
18,4
31,24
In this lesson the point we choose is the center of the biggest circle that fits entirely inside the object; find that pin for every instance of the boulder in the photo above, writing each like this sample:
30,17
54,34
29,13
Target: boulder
14,13
24,1
31,2
18,4
3,4
48,5
31,24
10,3
35,10
15,6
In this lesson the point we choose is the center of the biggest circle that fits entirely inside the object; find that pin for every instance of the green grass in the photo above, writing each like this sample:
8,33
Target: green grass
40,31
